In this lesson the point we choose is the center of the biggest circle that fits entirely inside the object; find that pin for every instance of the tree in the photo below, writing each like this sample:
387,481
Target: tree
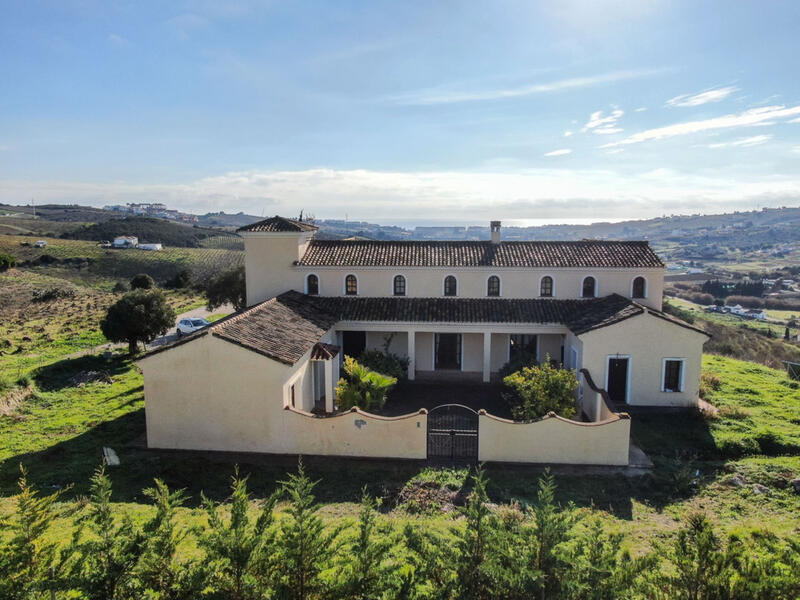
139,316
227,287
7,261
476,571
365,573
159,575
361,387
27,556
537,390
304,549
238,553
104,561
142,281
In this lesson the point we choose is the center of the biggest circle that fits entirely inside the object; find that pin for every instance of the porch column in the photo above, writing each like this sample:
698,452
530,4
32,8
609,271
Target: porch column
487,357
329,385
412,338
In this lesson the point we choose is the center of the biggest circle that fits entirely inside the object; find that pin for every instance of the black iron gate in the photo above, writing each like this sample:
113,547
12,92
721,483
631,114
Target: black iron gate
453,433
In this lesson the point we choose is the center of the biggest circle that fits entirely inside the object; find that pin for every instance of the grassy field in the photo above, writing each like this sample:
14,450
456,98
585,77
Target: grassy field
90,258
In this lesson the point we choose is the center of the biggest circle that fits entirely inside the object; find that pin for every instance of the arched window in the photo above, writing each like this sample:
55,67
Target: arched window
450,286
312,285
588,290
639,288
493,286
351,285
399,286
546,287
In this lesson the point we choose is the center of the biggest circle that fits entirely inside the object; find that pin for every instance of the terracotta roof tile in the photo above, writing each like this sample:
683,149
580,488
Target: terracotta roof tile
278,224
359,253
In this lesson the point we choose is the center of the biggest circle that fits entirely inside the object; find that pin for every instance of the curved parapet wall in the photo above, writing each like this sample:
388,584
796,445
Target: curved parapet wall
554,439
356,433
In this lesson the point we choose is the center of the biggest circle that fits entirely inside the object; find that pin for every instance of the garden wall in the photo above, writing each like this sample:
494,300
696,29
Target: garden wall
554,439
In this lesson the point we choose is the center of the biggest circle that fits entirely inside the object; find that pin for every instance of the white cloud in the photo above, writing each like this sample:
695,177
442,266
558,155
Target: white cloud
560,152
439,96
755,140
797,120
446,196
603,124
118,40
640,109
754,116
567,133
712,95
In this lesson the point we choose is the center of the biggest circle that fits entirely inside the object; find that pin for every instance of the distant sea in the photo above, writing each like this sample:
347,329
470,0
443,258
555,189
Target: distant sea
407,224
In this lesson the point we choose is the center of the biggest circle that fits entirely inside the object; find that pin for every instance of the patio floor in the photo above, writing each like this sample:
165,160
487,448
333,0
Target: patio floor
410,396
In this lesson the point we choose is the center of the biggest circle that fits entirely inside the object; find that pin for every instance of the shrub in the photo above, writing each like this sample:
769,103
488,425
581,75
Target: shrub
521,360
120,287
54,293
536,391
24,381
6,261
142,281
362,388
180,280
708,383
746,301
384,363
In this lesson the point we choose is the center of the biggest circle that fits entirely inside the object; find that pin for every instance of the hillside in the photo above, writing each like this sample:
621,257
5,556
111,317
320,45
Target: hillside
147,229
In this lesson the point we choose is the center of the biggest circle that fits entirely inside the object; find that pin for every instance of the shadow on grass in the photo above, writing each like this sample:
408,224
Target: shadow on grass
340,479
63,374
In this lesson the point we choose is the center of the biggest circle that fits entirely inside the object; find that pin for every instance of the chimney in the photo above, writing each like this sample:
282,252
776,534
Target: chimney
494,228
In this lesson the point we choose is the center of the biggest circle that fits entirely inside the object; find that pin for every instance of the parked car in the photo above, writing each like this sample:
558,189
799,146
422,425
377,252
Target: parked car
40,244
187,326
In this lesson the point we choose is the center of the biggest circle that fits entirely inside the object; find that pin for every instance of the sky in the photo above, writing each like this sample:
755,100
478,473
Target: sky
403,112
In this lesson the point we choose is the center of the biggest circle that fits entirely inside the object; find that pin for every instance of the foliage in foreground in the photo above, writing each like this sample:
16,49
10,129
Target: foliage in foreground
542,551
537,390
228,287
362,387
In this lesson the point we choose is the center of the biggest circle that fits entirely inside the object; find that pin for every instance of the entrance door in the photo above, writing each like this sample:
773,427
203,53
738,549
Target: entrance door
354,343
448,351
618,380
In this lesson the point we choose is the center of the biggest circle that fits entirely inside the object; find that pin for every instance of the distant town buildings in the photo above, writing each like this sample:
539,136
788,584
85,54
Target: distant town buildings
152,209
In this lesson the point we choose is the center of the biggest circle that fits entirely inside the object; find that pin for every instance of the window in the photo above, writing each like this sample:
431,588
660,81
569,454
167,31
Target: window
312,285
588,288
522,345
291,394
399,287
493,286
639,288
546,287
673,375
450,286
351,285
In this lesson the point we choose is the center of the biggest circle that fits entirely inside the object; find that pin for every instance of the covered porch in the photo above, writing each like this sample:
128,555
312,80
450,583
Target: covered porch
456,352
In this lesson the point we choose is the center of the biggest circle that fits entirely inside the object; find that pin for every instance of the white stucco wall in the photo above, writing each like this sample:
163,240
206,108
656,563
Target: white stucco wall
554,440
472,352
268,262
549,345
515,283
648,340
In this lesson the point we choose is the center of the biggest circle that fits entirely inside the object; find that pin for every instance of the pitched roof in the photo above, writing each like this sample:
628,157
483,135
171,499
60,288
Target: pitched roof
590,253
278,224
287,326
283,328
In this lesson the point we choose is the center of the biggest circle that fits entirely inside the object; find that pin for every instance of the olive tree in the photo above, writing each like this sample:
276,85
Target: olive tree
227,287
139,316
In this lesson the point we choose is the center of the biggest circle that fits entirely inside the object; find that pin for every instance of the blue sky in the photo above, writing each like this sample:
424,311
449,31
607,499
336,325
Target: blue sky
403,112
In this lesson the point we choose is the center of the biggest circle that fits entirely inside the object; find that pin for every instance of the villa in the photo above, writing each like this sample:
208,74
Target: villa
263,380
